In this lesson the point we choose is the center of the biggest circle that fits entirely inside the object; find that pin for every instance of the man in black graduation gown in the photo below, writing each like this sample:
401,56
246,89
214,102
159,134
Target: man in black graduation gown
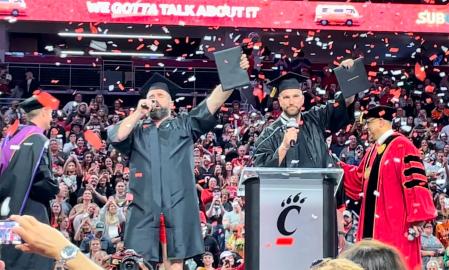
305,145
26,181
162,181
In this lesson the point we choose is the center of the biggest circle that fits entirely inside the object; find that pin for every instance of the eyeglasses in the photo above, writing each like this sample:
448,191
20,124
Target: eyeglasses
371,120
319,262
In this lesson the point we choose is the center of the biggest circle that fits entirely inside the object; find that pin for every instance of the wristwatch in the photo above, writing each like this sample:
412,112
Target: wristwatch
67,253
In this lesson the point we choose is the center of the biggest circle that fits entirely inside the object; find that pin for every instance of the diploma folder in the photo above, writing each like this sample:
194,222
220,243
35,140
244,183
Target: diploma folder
229,71
353,80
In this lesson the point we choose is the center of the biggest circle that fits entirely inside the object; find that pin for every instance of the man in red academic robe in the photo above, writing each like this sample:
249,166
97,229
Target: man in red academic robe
392,186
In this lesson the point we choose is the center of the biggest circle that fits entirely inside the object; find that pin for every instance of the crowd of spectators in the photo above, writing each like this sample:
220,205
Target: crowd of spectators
91,206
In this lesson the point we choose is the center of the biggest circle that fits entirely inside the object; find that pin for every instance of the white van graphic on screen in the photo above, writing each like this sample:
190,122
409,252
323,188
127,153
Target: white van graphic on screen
337,15
12,7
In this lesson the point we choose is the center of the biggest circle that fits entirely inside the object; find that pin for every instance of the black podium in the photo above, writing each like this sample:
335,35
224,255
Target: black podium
290,216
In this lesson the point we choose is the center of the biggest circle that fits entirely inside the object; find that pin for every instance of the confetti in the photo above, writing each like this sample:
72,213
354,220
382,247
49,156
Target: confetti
314,216
394,50
376,193
419,72
93,139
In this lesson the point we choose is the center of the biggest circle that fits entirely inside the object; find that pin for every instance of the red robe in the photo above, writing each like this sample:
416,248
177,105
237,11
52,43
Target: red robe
392,186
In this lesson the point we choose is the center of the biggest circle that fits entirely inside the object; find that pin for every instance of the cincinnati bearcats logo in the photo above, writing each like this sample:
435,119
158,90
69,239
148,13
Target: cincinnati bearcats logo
290,205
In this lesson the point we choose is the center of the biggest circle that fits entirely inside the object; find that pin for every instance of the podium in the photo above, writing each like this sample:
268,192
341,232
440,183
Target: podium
290,216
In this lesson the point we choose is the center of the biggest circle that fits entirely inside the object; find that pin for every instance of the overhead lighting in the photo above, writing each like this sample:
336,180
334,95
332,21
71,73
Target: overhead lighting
72,52
127,36
126,54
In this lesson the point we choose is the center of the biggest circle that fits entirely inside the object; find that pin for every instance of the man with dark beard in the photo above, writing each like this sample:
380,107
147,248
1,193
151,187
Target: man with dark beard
305,146
163,221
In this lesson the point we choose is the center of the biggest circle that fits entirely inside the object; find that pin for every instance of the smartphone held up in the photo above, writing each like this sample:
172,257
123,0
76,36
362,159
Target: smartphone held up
7,236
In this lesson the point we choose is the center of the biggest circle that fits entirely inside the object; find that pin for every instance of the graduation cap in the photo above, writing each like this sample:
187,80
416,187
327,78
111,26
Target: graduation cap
381,111
39,100
290,80
158,81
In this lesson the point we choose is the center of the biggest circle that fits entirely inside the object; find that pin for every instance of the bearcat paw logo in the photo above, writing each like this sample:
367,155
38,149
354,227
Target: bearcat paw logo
289,204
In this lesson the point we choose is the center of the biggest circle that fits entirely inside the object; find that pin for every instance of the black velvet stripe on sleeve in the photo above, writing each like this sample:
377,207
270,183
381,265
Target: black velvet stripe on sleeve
411,171
414,183
411,158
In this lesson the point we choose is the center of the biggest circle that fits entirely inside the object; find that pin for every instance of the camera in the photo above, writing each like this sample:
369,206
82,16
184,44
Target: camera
127,260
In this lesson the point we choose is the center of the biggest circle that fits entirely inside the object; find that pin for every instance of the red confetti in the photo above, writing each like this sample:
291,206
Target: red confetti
140,47
395,92
372,74
381,113
176,41
429,100
429,89
93,139
419,72
394,50
433,57
138,175
129,197
46,99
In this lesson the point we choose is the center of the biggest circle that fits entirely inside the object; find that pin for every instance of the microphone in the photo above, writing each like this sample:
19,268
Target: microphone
146,107
292,124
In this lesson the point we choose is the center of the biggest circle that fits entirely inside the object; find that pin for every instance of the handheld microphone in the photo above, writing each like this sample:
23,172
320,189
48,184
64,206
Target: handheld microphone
292,124
146,107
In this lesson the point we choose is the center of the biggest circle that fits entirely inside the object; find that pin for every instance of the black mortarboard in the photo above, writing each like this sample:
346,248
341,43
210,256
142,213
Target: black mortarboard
381,111
290,80
39,100
158,81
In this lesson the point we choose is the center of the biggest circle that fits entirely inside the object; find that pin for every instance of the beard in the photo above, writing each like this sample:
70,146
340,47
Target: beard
291,113
159,113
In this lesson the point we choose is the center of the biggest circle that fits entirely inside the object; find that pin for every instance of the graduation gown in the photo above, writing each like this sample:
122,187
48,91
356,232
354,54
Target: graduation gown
162,181
392,185
311,150
28,181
